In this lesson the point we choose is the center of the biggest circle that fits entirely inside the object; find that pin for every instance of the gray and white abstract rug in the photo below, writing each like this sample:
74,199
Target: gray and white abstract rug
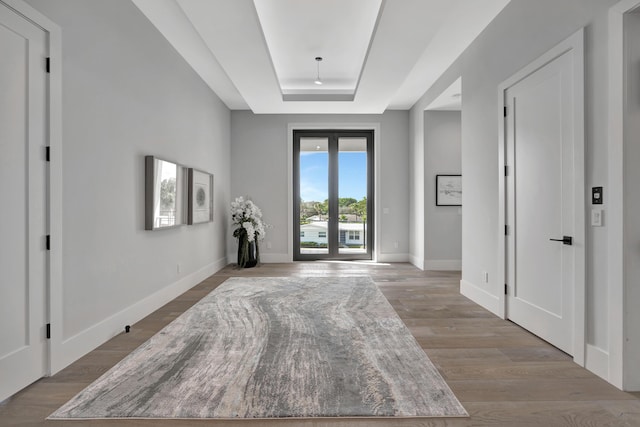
275,348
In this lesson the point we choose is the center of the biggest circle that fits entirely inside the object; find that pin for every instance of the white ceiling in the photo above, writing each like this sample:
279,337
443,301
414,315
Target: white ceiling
377,54
450,99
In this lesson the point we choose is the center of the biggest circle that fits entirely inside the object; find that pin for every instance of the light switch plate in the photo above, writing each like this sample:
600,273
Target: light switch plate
596,217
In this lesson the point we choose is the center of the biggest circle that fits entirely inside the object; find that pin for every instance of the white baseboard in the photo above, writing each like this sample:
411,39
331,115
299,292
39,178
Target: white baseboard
82,343
267,258
443,264
597,361
418,262
275,258
393,257
480,297
631,386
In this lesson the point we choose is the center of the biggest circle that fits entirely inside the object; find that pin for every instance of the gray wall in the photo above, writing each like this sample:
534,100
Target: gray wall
523,31
127,94
442,224
259,169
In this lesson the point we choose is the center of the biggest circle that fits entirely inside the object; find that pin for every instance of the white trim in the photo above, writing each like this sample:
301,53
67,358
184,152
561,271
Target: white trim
94,336
418,262
615,214
393,257
443,264
480,296
616,277
377,142
55,177
265,258
575,44
502,206
597,361
271,258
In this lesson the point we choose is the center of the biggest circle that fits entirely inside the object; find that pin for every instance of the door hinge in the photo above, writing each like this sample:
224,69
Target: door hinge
48,65
47,153
48,242
505,111
48,331
506,289
506,170
506,230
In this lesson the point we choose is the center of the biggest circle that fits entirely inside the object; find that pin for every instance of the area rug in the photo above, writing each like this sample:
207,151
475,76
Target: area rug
275,348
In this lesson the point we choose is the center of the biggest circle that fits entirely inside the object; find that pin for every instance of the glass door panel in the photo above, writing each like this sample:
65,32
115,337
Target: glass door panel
333,194
352,195
314,195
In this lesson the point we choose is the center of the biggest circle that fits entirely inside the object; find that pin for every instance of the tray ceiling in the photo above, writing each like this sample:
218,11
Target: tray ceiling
377,54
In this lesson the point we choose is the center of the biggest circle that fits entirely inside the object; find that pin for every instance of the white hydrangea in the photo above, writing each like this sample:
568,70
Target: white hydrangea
251,232
246,215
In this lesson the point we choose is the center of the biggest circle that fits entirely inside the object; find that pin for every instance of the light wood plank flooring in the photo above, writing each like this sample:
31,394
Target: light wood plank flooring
503,375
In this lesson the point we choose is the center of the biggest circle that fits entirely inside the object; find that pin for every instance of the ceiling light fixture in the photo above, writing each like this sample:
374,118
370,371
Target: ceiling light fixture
318,81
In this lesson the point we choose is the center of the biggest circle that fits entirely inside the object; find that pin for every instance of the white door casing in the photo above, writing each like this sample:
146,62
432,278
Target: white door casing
23,191
620,364
542,197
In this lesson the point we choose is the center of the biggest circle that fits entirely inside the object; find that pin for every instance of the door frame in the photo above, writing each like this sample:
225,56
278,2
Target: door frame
55,360
377,141
612,364
574,44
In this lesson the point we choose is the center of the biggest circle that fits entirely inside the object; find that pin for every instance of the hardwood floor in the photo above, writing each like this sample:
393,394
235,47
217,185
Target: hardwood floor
503,375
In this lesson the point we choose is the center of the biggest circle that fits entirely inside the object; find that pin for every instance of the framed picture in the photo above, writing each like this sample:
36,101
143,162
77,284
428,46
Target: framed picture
164,194
200,204
448,190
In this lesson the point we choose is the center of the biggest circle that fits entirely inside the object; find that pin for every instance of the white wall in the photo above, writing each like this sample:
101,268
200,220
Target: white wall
259,169
442,224
416,189
523,31
127,94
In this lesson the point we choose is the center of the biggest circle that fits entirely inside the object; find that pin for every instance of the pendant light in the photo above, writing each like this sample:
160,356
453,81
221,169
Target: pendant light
318,81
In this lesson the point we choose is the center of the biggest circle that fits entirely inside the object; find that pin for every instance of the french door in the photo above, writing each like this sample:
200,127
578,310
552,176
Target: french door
333,194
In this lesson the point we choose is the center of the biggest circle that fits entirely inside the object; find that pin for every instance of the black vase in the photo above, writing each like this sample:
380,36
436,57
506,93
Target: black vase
249,259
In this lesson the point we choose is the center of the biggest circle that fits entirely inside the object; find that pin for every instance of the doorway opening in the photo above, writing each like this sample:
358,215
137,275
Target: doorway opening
443,167
333,194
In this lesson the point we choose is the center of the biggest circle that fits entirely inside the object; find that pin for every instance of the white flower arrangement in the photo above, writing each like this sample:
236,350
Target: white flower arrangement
249,227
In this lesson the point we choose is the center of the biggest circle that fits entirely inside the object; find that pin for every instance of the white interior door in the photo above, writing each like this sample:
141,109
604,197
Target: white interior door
23,224
540,202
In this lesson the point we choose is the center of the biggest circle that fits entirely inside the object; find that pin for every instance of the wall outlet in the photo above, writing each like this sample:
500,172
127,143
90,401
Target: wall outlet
396,245
485,277
268,245
178,268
